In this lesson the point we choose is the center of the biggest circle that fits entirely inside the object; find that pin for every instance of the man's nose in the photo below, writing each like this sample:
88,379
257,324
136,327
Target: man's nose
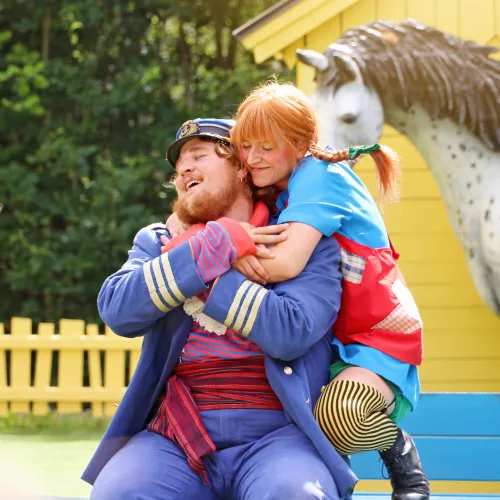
184,167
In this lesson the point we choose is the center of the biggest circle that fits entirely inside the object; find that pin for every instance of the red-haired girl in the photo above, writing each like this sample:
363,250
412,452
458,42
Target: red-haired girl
378,334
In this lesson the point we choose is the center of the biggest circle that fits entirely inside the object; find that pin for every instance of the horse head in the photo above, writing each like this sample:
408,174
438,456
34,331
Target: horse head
385,64
349,112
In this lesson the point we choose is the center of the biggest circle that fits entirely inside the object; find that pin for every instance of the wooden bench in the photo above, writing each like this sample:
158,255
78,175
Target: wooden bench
458,439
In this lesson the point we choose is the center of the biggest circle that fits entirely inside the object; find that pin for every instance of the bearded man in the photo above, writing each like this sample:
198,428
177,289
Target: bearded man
220,404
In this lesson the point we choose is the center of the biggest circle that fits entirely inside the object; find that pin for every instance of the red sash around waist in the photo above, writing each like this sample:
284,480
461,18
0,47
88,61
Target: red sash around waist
211,385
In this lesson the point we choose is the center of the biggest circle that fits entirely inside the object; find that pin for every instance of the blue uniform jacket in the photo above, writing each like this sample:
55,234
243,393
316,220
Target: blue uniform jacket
290,321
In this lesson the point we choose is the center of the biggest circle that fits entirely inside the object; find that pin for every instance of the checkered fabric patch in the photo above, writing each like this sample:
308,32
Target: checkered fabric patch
352,266
399,321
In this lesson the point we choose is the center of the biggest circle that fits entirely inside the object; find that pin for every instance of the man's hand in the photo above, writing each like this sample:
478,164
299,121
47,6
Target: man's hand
175,226
165,241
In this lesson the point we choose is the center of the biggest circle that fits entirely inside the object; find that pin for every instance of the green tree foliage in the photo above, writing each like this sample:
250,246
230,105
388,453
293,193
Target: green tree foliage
91,93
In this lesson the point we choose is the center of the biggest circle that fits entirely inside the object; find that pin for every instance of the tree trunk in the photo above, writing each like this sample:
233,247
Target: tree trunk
45,37
235,16
185,55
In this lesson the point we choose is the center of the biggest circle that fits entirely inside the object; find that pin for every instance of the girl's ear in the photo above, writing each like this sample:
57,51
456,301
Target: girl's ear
300,150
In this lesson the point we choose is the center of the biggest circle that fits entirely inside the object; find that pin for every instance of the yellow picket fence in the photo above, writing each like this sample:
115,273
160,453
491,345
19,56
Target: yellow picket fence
25,379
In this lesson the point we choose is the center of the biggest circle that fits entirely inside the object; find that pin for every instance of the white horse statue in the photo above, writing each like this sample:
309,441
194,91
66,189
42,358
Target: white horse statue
441,92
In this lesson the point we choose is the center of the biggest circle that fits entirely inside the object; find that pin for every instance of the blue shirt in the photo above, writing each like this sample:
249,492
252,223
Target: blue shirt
333,199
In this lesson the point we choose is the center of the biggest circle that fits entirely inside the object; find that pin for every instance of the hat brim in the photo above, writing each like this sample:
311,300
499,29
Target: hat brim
174,150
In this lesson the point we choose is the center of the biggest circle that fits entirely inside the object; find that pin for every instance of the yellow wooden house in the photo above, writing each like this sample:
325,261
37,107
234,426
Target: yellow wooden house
462,337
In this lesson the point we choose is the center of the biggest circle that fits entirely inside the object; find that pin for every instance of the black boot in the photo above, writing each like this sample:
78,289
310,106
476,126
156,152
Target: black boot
408,479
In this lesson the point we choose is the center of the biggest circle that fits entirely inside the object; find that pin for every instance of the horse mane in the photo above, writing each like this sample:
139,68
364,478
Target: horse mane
416,64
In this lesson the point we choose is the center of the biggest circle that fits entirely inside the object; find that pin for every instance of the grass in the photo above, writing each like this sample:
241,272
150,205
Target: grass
46,455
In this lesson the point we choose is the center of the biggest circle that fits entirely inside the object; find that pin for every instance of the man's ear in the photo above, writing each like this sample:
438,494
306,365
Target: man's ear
242,173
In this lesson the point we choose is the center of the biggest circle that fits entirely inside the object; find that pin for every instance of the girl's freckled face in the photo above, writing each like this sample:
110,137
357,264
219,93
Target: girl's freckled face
269,163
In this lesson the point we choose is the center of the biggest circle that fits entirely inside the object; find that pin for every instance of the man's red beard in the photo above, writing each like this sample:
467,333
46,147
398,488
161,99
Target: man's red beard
206,206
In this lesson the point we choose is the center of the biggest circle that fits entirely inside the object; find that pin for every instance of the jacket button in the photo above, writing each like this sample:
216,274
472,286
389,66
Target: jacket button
308,401
288,370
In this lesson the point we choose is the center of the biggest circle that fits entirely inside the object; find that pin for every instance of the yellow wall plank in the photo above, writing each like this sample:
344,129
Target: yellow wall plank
422,10
20,363
461,370
114,373
464,487
457,318
305,75
3,375
448,344
443,247
319,38
43,367
476,23
414,184
431,273
70,364
497,17
438,296
461,386
95,378
394,10
447,16
357,14
426,216
289,54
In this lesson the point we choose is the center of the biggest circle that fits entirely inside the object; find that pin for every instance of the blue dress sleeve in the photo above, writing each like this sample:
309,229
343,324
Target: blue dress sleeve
319,196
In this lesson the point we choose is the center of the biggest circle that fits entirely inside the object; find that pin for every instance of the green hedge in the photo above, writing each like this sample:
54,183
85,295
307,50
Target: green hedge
91,93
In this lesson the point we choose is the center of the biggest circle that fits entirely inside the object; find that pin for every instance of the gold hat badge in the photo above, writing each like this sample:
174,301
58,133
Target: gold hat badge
189,128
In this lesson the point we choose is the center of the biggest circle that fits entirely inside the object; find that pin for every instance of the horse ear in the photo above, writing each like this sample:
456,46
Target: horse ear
313,58
347,65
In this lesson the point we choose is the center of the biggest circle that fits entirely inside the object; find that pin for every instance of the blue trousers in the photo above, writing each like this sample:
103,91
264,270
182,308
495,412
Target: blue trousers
260,455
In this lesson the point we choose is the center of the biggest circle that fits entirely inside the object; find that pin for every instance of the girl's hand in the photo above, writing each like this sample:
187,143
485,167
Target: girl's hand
251,268
267,235
175,226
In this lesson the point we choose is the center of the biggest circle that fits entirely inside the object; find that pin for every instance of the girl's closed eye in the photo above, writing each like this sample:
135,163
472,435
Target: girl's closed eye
197,157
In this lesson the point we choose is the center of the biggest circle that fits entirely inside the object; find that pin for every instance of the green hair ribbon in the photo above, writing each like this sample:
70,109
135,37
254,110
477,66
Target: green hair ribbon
363,150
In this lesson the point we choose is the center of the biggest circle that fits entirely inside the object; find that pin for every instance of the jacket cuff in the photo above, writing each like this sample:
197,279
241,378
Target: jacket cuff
235,302
239,237
172,278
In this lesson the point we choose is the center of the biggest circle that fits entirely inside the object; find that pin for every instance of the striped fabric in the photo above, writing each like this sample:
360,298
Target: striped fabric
204,346
161,284
352,416
245,307
213,251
